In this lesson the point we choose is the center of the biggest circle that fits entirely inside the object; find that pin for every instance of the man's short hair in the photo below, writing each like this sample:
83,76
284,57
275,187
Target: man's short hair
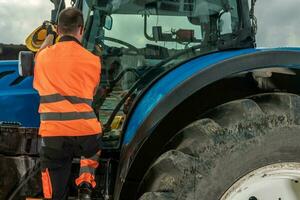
70,19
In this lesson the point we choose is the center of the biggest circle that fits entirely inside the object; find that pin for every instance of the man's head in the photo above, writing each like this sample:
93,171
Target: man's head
70,22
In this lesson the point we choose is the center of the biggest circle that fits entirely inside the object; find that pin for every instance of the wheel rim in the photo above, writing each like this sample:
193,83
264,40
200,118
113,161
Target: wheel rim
272,182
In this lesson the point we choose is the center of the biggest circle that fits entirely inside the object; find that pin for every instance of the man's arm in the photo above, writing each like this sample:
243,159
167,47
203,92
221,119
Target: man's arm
99,76
96,89
50,38
47,42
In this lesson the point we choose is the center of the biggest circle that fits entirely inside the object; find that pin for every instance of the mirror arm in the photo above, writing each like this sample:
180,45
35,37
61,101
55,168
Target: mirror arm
145,30
253,17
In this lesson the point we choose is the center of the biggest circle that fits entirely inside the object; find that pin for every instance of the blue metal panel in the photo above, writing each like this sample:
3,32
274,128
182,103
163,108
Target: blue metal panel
18,102
174,78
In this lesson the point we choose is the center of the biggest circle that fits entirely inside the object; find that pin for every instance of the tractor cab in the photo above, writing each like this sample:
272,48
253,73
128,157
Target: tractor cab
140,39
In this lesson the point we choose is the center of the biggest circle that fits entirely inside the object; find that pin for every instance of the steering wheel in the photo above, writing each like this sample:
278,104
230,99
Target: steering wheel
130,46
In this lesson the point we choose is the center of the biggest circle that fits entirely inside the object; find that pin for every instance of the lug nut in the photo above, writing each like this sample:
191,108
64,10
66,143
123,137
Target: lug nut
253,198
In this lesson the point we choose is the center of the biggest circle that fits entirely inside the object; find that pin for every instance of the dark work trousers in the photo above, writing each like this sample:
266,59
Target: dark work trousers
56,156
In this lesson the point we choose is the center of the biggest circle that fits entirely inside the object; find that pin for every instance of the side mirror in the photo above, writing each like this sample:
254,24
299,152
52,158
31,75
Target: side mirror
108,22
26,63
224,22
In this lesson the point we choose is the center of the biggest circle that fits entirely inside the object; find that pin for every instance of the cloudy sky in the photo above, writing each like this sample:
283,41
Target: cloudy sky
278,20
19,17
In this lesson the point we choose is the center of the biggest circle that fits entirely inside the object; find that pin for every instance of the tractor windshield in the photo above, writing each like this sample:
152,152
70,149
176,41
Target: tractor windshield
136,36
141,34
172,26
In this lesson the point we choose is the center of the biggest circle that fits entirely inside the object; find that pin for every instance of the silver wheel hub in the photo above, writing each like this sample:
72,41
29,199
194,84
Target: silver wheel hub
272,182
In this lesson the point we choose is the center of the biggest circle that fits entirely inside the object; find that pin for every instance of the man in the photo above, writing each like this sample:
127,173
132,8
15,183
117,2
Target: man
66,77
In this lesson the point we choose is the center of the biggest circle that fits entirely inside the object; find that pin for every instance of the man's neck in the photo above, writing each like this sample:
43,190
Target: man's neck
65,38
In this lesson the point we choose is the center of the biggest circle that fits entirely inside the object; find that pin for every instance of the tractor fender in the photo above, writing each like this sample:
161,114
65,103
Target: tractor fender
173,88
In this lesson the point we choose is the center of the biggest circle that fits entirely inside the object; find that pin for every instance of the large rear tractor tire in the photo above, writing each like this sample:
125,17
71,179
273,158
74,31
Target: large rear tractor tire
244,149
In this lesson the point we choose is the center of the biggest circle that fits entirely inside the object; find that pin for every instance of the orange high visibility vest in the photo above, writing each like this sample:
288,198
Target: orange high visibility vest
65,77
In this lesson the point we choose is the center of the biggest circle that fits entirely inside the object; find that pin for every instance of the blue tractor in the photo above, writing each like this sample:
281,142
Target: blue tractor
192,109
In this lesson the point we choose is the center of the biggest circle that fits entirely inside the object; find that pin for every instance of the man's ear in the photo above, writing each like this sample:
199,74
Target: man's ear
81,30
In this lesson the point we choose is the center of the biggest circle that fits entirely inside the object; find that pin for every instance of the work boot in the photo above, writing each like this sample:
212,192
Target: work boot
85,191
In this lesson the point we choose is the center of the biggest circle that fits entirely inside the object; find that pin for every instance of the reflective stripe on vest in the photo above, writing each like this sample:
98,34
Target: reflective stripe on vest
67,116
63,116
57,97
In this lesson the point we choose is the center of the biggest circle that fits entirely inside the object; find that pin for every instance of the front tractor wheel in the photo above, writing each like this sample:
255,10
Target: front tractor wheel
246,149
